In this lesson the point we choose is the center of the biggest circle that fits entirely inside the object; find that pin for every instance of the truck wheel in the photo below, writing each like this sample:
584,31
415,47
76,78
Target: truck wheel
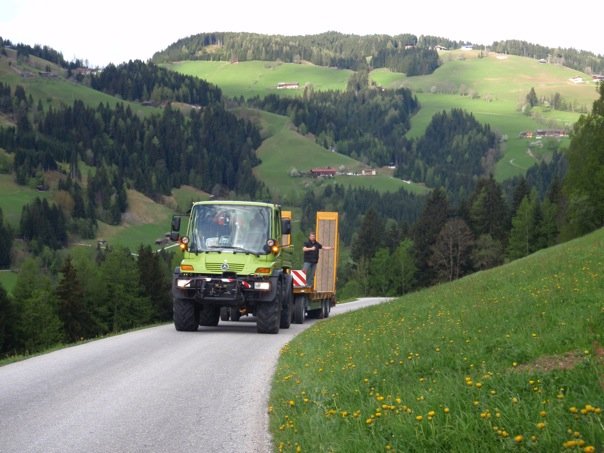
224,313
299,310
235,314
209,315
186,315
268,314
287,309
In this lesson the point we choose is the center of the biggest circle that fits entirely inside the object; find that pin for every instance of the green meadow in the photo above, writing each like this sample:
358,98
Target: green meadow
260,78
510,359
14,197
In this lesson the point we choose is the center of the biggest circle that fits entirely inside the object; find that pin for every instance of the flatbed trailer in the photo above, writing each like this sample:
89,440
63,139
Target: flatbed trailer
315,299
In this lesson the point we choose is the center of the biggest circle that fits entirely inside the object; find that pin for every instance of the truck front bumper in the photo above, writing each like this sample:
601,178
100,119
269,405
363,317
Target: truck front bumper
223,290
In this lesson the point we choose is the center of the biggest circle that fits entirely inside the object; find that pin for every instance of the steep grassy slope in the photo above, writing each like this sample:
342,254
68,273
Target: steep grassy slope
55,89
508,359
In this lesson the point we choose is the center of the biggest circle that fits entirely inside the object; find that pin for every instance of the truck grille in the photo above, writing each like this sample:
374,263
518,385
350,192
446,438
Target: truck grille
216,268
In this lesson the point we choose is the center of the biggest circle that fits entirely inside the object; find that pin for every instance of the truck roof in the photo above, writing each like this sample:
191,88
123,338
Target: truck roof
240,203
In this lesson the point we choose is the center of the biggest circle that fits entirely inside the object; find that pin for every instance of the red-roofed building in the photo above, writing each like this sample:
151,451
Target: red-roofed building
323,172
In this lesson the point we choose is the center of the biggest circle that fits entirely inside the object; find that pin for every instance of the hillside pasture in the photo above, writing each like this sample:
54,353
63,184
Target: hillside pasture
142,224
260,78
57,90
14,197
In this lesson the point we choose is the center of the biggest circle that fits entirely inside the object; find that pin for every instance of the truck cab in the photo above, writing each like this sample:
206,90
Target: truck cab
234,262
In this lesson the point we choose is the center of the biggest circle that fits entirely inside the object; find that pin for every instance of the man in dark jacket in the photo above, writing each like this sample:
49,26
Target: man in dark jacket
311,257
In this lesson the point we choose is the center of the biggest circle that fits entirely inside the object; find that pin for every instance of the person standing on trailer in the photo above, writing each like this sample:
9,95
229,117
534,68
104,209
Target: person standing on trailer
311,257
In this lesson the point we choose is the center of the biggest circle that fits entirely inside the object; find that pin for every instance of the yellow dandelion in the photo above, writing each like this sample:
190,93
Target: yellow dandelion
519,438
419,418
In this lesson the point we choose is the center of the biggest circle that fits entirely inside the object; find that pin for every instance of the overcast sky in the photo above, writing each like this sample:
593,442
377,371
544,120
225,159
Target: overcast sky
113,31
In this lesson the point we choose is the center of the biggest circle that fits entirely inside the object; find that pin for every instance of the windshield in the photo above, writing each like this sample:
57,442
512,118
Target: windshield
220,227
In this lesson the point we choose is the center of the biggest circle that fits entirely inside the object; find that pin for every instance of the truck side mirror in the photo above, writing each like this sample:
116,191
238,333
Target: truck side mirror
286,226
175,228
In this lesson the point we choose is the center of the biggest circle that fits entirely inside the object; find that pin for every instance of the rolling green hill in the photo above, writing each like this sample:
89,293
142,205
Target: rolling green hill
492,87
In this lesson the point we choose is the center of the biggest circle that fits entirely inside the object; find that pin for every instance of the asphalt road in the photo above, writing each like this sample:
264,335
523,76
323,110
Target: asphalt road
152,390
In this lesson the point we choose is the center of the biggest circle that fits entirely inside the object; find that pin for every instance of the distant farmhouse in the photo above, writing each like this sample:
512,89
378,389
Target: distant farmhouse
327,172
540,133
288,85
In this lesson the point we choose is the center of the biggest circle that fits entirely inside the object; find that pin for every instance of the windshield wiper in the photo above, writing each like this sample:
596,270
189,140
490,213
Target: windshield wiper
236,249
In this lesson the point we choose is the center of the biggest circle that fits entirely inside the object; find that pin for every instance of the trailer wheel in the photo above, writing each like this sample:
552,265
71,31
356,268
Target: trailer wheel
209,315
287,309
299,310
268,314
326,308
185,314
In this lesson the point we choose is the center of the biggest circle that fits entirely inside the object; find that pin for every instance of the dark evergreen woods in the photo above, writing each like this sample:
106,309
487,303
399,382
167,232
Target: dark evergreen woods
85,299
138,81
366,124
405,53
401,53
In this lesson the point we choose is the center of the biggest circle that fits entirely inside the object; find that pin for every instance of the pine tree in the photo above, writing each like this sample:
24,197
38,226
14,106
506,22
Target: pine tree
77,321
584,182
8,321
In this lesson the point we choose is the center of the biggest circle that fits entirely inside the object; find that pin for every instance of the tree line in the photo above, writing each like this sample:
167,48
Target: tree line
401,53
45,52
84,298
580,60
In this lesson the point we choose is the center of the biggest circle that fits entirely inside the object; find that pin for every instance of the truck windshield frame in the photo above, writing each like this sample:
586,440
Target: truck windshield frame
239,228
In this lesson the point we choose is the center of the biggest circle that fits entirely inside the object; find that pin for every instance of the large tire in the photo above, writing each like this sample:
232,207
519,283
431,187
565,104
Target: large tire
316,313
225,313
287,310
268,314
209,315
185,314
235,314
299,310
326,308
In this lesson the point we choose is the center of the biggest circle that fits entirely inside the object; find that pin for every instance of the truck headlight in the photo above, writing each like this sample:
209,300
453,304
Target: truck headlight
182,283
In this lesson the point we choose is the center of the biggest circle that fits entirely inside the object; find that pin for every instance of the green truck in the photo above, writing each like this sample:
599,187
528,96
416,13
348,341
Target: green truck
237,260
